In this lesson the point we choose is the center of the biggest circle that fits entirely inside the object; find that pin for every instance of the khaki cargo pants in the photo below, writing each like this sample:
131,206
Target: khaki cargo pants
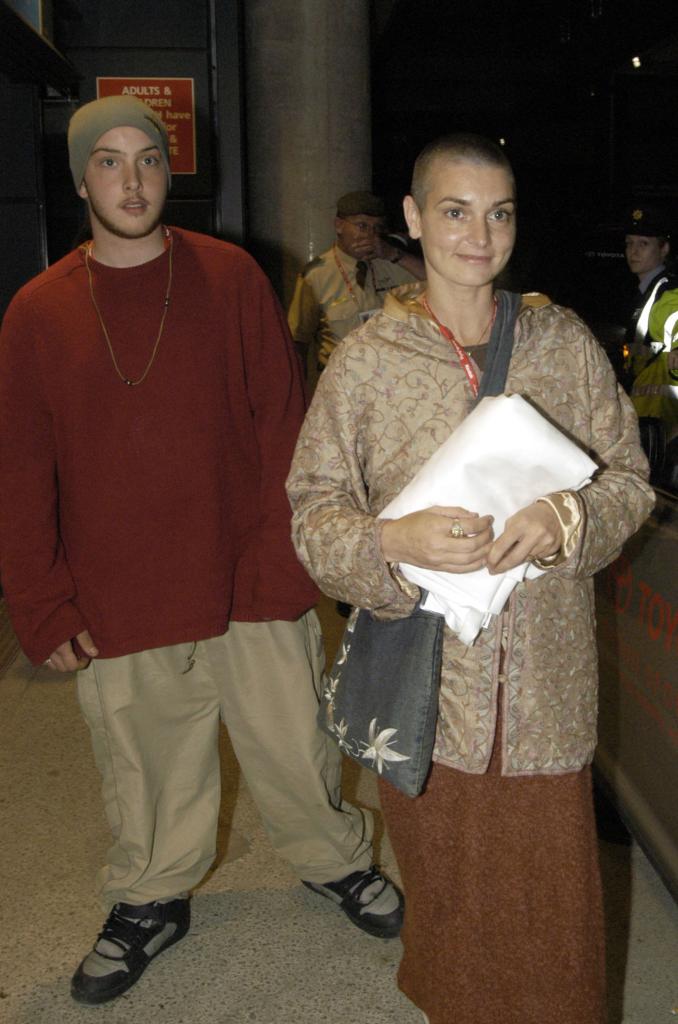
154,720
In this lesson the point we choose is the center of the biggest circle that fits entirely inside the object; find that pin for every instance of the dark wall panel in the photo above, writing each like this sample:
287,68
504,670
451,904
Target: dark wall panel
18,159
64,209
646,135
23,252
196,215
22,259
128,24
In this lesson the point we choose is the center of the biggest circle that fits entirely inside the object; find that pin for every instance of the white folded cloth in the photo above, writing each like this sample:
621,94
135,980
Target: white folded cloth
503,457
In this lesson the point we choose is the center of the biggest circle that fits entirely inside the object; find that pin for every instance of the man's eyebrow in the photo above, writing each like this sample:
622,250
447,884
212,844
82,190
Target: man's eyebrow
111,149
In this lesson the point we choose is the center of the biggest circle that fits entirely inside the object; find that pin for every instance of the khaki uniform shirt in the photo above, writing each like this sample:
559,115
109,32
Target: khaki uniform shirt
325,308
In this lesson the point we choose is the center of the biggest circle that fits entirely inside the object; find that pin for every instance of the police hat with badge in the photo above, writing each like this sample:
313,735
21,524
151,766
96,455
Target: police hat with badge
647,220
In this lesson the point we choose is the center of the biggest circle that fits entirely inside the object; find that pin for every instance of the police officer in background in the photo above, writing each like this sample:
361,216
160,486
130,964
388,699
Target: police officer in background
648,245
339,290
646,374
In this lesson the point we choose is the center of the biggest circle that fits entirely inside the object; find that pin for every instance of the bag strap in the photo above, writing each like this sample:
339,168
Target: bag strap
500,347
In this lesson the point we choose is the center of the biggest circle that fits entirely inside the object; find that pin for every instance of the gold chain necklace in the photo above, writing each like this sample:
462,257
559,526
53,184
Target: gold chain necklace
123,378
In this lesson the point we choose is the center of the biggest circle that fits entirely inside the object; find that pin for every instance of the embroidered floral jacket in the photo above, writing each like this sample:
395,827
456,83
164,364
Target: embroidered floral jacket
392,393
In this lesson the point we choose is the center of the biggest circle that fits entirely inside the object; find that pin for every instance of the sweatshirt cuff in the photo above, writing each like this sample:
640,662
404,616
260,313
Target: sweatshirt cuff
40,641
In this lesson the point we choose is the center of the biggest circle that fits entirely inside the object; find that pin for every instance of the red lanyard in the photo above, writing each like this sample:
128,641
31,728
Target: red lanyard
462,355
346,279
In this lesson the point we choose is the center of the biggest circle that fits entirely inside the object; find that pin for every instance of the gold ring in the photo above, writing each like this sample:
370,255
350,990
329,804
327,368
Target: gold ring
457,529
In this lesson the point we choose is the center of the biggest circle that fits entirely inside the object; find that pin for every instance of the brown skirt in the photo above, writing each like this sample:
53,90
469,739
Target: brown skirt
504,918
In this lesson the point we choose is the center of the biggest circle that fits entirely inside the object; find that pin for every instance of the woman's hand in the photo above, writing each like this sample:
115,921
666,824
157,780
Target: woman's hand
534,532
425,539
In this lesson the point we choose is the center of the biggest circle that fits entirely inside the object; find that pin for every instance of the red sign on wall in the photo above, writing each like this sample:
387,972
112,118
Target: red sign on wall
173,99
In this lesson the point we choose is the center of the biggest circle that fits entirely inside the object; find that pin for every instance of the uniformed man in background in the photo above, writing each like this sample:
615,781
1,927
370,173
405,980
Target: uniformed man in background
339,290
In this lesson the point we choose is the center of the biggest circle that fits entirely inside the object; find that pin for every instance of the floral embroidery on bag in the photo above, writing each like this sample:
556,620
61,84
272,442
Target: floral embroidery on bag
377,749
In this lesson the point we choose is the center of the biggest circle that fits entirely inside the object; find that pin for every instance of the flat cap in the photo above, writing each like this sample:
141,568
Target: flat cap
355,203
645,219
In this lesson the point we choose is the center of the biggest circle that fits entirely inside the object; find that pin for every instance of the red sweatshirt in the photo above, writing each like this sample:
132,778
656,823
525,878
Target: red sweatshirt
148,515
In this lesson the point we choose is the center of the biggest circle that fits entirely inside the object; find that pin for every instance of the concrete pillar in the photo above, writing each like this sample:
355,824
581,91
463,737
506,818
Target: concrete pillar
308,125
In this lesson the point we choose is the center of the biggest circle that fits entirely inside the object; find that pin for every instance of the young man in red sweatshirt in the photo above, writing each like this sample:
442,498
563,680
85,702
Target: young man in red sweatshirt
150,401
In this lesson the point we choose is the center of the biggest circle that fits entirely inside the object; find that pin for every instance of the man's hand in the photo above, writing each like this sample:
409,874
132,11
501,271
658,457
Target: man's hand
73,654
414,265
383,249
425,539
534,532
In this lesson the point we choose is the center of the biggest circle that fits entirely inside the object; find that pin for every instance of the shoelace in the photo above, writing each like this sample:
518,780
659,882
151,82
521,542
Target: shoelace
124,932
365,881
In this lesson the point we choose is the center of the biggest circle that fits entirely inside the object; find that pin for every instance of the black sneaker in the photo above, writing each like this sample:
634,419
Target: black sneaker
131,937
369,899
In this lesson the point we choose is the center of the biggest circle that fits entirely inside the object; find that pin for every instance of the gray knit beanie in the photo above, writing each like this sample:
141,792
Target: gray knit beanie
94,119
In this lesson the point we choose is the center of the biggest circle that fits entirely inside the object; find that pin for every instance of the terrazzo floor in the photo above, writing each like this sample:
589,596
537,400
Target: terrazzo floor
262,949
